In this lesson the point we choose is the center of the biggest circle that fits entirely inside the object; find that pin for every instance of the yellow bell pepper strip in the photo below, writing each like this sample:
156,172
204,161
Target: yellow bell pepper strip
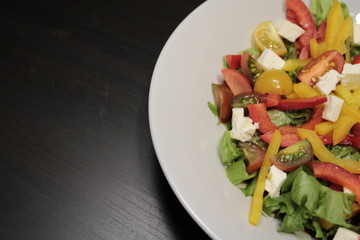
324,128
345,32
351,112
294,64
335,20
314,48
304,91
344,93
324,155
292,95
342,127
257,200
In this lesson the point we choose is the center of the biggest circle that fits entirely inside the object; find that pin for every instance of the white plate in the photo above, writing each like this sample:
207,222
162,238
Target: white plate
183,129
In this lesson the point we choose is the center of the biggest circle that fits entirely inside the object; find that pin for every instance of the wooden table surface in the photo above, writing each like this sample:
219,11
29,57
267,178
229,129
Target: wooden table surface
76,156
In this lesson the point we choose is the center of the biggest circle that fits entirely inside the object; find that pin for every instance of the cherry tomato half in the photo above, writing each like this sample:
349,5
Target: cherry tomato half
321,64
275,82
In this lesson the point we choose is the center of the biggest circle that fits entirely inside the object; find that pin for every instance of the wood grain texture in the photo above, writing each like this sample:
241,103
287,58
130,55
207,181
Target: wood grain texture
76,157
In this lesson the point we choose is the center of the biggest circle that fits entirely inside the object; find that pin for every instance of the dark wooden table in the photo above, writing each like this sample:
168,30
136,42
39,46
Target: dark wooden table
76,156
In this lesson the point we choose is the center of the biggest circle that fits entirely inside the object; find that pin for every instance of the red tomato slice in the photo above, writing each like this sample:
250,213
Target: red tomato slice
356,130
304,18
318,66
237,82
233,61
259,115
272,100
321,32
254,155
300,103
338,175
222,97
356,60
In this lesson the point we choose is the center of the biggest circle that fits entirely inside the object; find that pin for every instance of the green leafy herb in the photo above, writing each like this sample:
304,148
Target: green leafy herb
279,118
292,50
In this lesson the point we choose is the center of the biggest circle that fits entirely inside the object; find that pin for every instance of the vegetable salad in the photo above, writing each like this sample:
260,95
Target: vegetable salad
290,105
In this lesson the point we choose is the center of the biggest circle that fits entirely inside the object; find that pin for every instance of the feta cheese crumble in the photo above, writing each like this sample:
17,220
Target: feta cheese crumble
242,127
352,76
345,234
270,60
332,108
356,28
274,181
289,30
327,82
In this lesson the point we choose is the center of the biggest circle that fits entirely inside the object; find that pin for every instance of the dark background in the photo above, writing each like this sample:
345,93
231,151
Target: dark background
76,156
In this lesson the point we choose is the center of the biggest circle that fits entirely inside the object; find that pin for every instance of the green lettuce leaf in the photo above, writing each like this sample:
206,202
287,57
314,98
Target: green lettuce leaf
229,151
320,10
289,117
345,152
248,190
236,172
304,200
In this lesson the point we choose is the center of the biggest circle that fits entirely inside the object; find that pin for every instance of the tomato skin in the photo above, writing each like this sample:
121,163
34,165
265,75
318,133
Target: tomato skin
254,155
321,32
274,82
356,60
300,103
293,156
301,14
237,82
320,65
356,130
338,175
259,114
222,97
233,61
272,100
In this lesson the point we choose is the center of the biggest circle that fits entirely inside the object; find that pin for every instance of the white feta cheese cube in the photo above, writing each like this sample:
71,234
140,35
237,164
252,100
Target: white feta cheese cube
289,30
346,190
356,28
242,127
345,234
328,81
274,181
332,108
270,60
352,76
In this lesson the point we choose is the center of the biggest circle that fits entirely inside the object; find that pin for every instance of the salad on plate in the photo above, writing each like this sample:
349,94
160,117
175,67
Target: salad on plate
291,108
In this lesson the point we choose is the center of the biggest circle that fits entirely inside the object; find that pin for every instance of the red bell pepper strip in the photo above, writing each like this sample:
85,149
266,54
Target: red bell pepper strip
237,82
349,140
300,103
315,119
233,61
338,175
259,115
303,18
287,139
